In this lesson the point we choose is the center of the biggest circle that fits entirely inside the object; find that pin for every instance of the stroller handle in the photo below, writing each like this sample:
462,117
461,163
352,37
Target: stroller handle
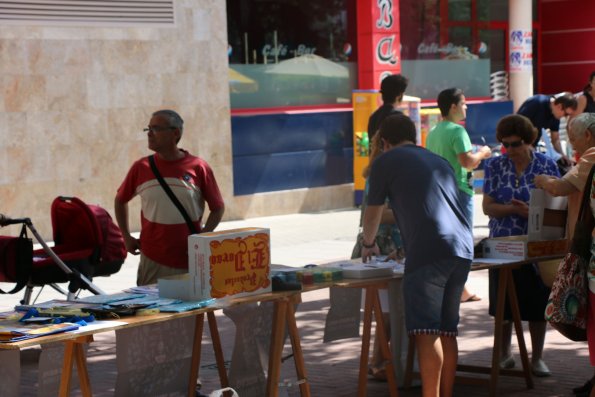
16,221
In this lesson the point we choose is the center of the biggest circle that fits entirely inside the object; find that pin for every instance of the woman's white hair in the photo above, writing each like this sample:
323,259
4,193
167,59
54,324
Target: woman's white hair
581,123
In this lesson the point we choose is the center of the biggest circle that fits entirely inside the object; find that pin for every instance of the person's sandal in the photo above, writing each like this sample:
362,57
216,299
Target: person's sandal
540,370
507,362
471,298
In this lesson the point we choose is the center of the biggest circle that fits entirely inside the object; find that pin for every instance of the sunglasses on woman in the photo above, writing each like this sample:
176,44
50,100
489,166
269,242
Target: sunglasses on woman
512,144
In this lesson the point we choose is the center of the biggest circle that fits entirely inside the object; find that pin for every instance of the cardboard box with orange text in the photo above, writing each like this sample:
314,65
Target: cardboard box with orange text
229,262
520,248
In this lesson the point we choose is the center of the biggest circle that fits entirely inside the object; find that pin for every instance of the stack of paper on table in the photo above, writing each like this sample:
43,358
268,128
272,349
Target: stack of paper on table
374,268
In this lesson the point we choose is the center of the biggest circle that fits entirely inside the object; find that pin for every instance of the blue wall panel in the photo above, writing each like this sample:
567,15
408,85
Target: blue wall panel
482,119
285,151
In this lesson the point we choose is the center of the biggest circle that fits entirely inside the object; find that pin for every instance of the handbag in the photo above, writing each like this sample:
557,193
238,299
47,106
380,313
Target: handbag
16,260
567,306
172,196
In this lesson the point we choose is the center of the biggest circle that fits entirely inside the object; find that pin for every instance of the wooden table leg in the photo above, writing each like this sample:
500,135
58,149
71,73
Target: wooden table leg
365,351
498,323
196,347
298,355
384,347
518,328
81,366
74,352
276,347
66,369
214,330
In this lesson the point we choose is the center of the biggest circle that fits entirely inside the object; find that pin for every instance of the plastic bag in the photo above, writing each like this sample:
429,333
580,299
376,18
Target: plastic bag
220,392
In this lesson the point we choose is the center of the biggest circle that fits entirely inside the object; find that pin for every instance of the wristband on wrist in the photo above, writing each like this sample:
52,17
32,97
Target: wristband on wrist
369,245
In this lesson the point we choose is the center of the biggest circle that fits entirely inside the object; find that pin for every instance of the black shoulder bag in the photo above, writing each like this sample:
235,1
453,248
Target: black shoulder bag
172,196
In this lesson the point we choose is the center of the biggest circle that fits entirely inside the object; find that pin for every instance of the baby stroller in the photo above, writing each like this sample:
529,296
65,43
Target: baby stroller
86,244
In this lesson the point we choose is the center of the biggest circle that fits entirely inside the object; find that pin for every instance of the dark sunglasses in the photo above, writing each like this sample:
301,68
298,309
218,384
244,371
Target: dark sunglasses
512,144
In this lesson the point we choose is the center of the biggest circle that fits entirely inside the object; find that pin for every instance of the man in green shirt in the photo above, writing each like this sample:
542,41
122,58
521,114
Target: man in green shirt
450,140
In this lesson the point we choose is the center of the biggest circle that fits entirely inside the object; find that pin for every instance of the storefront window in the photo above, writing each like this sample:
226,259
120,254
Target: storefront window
460,35
453,43
291,53
495,43
459,10
492,10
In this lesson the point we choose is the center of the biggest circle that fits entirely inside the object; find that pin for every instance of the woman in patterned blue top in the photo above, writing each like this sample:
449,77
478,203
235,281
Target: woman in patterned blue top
508,181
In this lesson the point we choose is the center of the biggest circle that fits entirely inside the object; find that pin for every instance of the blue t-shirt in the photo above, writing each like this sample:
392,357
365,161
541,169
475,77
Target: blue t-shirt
537,109
424,197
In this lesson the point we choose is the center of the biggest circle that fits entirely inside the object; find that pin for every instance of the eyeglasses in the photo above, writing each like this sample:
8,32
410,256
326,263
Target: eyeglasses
512,144
158,128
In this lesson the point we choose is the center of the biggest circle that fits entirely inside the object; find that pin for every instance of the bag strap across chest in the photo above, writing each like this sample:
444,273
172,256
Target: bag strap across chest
172,196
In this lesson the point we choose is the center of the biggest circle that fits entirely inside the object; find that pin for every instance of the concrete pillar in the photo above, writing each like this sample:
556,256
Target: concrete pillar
520,44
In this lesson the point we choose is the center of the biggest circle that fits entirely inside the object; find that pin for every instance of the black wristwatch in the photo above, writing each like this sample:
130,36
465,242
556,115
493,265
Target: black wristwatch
369,246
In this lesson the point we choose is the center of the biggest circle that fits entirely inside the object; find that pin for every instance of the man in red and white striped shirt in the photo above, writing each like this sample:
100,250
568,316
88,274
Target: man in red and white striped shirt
163,242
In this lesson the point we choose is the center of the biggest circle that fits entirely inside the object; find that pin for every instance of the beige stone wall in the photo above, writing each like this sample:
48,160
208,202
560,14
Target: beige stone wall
74,101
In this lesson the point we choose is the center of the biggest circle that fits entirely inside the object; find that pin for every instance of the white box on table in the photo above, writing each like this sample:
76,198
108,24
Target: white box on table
229,262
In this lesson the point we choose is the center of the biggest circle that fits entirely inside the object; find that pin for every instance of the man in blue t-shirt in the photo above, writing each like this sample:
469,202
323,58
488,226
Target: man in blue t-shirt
424,196
545,112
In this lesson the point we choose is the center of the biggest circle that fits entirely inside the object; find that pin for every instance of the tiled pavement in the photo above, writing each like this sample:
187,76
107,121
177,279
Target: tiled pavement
332,367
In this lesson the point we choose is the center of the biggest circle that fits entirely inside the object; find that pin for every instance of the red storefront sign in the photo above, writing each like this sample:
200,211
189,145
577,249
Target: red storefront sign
378,40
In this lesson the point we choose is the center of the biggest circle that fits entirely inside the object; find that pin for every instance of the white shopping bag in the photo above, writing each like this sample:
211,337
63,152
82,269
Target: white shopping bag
219,393
547,216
